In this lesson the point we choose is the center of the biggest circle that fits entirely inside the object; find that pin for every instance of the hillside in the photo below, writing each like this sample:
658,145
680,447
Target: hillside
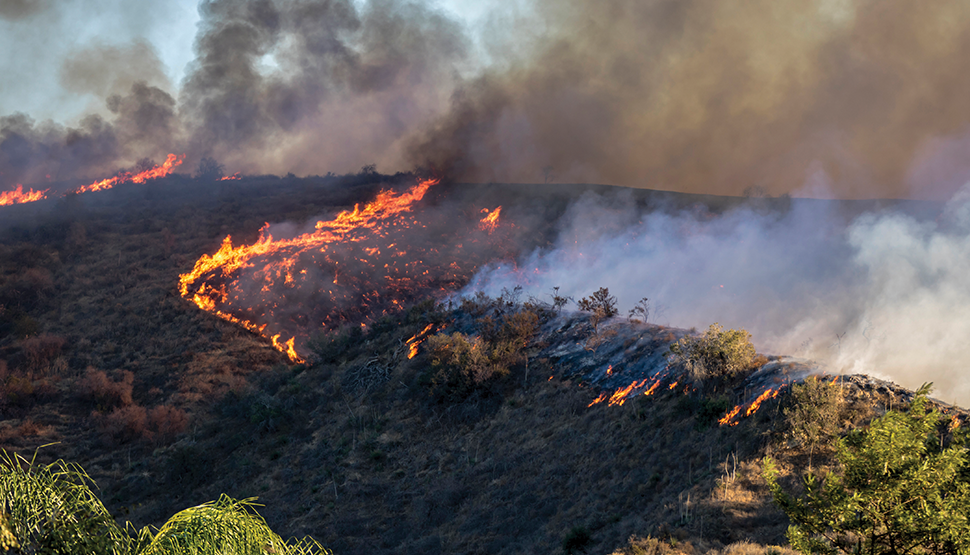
167,406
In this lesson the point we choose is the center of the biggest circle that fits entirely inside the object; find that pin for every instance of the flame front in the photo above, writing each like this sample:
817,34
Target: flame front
125,177
18,196
361,265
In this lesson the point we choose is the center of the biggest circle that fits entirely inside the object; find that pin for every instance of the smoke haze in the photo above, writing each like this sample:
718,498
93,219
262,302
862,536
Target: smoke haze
698,95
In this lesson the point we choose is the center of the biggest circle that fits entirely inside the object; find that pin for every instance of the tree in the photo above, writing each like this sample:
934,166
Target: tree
209,168
640,311
600,304
813,412
716,354
902,488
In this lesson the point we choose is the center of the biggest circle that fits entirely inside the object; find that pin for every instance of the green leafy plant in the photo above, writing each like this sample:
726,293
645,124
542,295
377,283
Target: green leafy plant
812,414
902,487
52,509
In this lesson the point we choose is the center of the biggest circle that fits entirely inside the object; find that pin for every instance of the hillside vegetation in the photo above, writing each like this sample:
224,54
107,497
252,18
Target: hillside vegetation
487,441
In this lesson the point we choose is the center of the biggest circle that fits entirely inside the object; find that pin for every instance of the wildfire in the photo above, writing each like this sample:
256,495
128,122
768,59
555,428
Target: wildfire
490,222
18,196
729,418
230,177
124,177
362,264
417,339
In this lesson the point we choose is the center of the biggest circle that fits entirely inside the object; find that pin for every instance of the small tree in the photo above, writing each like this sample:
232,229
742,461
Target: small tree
600,304
902,488
209,168
716,354
813,413
640,311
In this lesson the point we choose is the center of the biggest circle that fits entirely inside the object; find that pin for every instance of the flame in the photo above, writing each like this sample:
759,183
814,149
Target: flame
344,247
417,339
18,196
230,177
490,222
729,416
752,408
124,177
609,370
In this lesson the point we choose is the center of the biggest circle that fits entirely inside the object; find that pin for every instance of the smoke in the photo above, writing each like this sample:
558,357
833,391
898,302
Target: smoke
882,293
687,95
715,97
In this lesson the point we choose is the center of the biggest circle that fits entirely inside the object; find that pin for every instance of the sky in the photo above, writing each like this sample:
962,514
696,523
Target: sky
832,98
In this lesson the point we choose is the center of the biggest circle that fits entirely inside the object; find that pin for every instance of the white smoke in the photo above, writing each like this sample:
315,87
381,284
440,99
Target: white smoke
884,293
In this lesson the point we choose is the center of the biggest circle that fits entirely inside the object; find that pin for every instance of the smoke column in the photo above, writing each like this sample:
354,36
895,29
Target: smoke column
686,95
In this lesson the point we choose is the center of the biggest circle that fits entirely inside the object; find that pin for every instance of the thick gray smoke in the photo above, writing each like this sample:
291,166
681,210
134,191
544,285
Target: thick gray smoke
883,293
688,95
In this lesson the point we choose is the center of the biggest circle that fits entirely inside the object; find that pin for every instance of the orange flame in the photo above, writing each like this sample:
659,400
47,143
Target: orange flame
158,171
416,340
752,408
230,177
348,226
490,222
729,416
18,196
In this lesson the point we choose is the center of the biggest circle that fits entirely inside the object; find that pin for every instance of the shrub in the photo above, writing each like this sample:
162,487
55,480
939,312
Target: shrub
125,424
107,393
903,487
459,363
716,354
601,304
166,422
640,311
41,351
813,413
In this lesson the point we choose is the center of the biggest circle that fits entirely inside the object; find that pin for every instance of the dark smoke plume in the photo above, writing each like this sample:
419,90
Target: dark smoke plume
713,96
688,95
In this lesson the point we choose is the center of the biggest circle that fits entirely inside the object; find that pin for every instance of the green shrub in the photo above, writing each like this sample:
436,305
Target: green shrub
813,413
716,354
902,487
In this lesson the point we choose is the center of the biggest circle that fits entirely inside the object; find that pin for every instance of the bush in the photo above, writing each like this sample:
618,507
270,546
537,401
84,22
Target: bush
166,422
716,354
41,351
107,393
459,364
125,424
813,413
600,304
903,487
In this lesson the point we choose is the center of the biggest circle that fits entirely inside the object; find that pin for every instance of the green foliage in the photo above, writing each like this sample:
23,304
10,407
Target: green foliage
902,488
716,354
52,510
576,540
223,526
813,412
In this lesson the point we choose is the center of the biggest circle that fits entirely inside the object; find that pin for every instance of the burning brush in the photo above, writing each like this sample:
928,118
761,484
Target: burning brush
18,196
363,264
